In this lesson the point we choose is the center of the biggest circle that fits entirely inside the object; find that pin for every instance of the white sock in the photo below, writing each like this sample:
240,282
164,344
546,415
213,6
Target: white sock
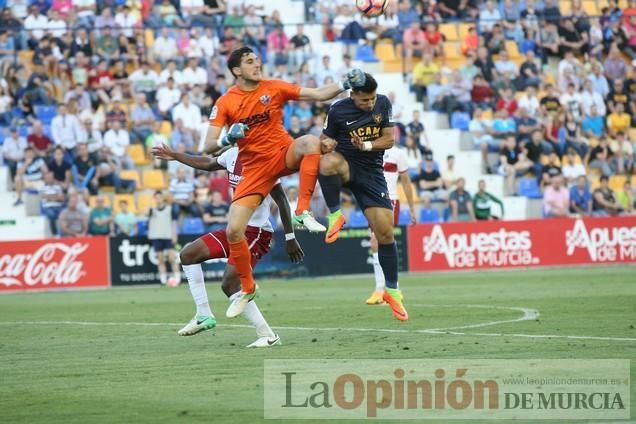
379,274
256,318
177,276
194,274
163,277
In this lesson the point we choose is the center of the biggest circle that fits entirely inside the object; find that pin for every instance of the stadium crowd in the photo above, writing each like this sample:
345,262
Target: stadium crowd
547,95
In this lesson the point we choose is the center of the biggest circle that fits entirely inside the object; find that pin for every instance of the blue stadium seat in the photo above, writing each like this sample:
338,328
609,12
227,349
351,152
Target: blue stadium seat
460,121
529,187
2,137
193,226
142,227
446,214
46,113
23,130
405,217
365,54
429,216
358,220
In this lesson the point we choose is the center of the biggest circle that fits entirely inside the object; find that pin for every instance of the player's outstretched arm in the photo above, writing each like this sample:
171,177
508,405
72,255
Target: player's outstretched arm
355,79
211,139
204,163
294,250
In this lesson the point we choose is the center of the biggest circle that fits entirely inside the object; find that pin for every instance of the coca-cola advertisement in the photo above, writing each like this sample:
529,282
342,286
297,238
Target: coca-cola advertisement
510,244
53,264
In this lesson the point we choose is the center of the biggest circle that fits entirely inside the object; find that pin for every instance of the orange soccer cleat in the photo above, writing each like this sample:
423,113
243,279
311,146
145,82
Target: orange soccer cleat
394,298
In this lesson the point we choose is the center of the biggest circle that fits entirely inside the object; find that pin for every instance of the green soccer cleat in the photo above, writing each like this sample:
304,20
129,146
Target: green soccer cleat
197,325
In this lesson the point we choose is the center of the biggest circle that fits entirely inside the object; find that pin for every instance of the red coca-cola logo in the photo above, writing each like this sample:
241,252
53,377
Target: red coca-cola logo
51,263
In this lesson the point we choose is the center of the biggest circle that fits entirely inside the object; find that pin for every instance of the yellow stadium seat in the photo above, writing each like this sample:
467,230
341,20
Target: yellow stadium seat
633,181
590,7
92,201
385,52
402,195
131,174
451,50
449,31
632,134
463,30
145,201
128,198
565,7
513,50
166,128
596,183
154,179
617,182
487,115
138,154
150,38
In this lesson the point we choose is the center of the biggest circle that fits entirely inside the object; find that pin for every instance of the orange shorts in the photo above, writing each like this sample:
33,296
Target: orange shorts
260,178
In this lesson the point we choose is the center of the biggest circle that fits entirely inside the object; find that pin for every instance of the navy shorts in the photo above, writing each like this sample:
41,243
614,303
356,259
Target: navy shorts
368,185
160,245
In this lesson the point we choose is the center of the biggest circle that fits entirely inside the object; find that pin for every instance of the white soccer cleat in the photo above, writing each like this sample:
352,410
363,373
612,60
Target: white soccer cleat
307,220
238,304
265,342
197,325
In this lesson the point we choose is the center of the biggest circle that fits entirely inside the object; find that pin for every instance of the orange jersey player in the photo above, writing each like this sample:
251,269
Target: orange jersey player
253,111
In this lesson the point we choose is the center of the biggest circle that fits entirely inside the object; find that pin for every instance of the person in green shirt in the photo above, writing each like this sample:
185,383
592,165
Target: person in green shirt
483,201
100,219
626,198
125,220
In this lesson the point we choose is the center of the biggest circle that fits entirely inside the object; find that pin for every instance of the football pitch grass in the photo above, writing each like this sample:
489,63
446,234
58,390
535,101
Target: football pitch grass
113,356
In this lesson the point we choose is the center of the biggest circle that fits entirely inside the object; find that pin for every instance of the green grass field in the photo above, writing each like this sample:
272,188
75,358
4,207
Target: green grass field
55,369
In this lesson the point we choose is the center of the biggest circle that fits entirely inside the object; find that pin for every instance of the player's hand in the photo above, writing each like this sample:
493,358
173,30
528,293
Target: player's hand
163,151
327,145
234,134
357,142
294,251
355,79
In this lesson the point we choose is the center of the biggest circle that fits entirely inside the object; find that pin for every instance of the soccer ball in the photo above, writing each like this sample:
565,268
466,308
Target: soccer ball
372,8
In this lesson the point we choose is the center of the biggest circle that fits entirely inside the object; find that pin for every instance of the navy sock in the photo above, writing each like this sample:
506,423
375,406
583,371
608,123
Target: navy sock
388,255
331,185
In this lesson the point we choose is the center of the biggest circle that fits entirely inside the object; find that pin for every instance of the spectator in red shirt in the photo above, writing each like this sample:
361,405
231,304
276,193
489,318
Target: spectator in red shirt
414,42
39,142
434,39
117,113
277,47
101,80
220,183
481,93
507,101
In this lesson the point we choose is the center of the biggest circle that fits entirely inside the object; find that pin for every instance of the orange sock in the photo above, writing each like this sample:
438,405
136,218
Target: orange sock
309,167
240,254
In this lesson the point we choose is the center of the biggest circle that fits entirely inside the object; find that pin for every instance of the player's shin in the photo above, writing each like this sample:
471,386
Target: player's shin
388,257
240,254
331,186
196,283
308,175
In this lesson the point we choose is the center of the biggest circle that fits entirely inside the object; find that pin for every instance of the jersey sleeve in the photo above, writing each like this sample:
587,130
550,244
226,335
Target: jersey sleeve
219,116
402,164
387,114
330,128
222,159
287,91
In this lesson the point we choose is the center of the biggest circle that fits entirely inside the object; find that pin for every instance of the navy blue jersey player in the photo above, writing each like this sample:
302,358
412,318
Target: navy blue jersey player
361,128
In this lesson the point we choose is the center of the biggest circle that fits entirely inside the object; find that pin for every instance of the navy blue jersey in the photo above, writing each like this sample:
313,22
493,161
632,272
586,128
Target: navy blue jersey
344,120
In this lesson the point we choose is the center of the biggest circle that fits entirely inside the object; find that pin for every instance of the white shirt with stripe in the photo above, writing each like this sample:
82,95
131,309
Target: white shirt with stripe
395,162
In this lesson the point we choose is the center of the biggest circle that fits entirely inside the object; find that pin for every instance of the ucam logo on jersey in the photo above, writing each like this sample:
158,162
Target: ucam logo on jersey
506,244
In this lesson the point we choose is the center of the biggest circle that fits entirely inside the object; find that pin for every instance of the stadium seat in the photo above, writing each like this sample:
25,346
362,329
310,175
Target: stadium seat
595,183
131,175
449,31
129,198
463,30
154,179
617,182
460,121
385,52
145,201
92,201
142,227
402,195
166,128
365,54
46,113
149,38
405,217
513,50
565,7
428,216
358,220
590,7
193,226
529,187
451,50
138,154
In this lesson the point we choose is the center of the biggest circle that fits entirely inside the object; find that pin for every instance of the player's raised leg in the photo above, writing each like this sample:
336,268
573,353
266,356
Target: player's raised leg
231,286
304,154
192,256
239,215
334,172
381,222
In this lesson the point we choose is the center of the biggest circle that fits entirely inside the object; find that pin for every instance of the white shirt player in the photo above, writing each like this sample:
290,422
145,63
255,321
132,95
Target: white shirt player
260,217
395,162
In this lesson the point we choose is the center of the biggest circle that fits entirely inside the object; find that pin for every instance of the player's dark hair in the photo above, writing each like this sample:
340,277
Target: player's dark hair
370,85
234,60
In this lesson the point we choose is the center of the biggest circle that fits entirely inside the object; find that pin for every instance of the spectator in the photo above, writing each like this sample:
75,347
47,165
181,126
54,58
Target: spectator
171,71
424,74
593,125
86,11
604,202
599,82
194,74
80,95
301,50
81,44
618,121
468,70
449,176
571,102
91,137
107,46
436,91
556,199
626,198
162,234
416,129
105,19
550,102
507,101
30,174
488,17
60,167
434,40
414,42
181,136
580,197
534,151
216,210
13,150
125,221
156,138
84,170
145,80
461,204
187,112
39,88
142,119
413,157
550,170
485,65
503,126
481,131
126,21
73,222
572,166
278,47
460,91
51,200
117,140
623,150
526,125
483,201
615,66
168,96
600,157
570,39
590,98
295,129
506,66
470,44
100,220
481,93
5,99
35,24
65,129
529,73
165,47
182,191
429,181
618,95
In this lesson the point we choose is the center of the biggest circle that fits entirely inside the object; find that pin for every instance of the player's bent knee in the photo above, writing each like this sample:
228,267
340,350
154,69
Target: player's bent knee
188,255
309,144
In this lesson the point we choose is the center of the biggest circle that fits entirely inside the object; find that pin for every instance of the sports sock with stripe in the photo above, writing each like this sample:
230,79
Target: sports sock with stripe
378,273
388,256
196,283
331,186
308,175
255,317
240,254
